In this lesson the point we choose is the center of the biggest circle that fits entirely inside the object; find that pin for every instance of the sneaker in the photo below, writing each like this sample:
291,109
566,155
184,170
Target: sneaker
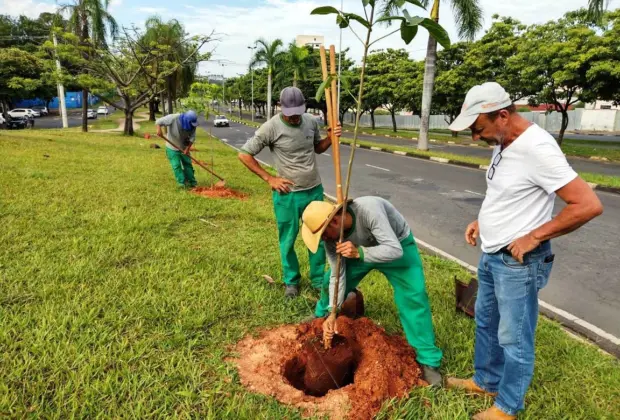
432,376
291,291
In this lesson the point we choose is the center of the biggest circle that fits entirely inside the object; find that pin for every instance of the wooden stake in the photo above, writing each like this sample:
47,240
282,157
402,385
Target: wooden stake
335,120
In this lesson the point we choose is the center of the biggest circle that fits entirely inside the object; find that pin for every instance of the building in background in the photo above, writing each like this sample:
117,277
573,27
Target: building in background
314,41
602,105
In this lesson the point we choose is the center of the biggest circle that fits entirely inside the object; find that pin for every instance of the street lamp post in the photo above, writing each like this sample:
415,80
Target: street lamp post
239,98
252,74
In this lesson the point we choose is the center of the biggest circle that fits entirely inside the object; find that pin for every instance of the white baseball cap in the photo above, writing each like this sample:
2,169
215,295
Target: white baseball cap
481,99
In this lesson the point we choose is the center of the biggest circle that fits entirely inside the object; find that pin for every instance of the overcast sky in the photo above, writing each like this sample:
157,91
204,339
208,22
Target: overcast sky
239,22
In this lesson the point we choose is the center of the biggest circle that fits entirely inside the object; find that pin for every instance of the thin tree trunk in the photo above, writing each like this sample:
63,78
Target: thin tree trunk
372,119
84,110
128,130
429,83
163,104
564,112
393,114
268,94
295,79
169,95
152,110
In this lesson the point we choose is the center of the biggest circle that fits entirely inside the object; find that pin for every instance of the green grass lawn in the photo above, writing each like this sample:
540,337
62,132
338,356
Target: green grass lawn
119,300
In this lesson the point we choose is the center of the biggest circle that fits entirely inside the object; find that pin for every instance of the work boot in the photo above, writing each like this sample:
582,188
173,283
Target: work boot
467,385
432,376
291,291
493,413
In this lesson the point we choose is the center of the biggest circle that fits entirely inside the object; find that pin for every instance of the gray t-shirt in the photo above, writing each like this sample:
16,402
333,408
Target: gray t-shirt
378,228
177,136
292,148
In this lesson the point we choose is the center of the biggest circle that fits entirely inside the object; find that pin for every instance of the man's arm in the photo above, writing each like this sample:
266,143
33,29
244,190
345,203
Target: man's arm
582,205
279,184
163,121
324,144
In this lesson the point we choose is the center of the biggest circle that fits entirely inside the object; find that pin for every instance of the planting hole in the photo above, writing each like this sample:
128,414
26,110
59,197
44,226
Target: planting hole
316,371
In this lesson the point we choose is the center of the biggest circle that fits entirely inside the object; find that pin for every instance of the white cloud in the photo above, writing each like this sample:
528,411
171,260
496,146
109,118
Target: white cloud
240,26
114,4
153,10
29,8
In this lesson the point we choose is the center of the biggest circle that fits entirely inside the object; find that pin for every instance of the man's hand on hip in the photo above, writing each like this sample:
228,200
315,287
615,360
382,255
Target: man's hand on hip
522,246
348,250
471,233
280,184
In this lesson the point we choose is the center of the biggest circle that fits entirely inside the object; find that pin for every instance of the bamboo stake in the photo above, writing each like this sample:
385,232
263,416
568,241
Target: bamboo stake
335,120
331,124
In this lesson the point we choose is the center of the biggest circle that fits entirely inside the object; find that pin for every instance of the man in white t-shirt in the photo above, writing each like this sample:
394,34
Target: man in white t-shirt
515,226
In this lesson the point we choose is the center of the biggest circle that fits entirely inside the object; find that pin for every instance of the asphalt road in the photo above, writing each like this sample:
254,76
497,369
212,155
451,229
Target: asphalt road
571,136
440,200
482,151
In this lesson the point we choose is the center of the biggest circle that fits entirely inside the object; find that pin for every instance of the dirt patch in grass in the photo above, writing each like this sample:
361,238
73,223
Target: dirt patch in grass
218,192
364,368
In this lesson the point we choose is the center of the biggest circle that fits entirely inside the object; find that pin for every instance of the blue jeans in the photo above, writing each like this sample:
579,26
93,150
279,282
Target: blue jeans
506,316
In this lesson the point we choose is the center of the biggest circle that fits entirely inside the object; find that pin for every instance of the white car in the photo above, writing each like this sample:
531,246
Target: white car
91,114
221,121
2,120
103,110
20,112
41,109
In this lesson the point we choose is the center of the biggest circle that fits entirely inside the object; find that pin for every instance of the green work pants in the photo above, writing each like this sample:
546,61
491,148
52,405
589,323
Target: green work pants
406,276
182,168
288,209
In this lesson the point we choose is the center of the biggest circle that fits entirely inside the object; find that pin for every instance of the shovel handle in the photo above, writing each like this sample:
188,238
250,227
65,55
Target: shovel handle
192,158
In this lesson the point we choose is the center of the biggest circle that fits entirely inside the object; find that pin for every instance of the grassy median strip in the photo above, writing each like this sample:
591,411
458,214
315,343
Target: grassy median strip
122,295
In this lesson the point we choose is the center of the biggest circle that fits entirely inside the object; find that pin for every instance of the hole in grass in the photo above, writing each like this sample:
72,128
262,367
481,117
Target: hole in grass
316,370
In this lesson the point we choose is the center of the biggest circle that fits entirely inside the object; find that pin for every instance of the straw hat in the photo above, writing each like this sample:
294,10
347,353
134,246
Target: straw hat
315,219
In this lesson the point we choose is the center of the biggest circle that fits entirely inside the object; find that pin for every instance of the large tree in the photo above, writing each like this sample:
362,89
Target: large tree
468,18
554,58
269,54
604,74
91,22
171,36
390,79
295,64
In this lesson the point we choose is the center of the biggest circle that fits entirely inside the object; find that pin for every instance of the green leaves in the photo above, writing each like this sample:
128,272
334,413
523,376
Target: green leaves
436,31
326,83
408,32
325,10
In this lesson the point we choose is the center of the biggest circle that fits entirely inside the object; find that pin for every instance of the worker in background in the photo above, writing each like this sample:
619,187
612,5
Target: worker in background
182,133
294,138
377,237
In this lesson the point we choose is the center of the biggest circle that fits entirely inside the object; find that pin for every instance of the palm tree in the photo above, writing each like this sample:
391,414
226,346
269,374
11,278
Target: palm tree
90,20
171,34
296,62
468,17
596,8
270,55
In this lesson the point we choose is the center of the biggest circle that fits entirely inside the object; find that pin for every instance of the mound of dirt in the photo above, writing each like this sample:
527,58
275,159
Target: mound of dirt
218,192
363,369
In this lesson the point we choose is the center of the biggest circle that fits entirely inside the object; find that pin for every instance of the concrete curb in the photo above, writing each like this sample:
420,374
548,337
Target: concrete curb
611,190
595,335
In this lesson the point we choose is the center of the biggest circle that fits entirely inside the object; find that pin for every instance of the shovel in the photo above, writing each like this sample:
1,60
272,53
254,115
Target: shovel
218,184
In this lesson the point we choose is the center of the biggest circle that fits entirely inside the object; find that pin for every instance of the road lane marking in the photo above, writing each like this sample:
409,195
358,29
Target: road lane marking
378,167
475,193
225,140
325,154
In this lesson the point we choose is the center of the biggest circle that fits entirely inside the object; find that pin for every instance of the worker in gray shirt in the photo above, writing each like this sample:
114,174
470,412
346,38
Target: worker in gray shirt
377,237
294,139
182,134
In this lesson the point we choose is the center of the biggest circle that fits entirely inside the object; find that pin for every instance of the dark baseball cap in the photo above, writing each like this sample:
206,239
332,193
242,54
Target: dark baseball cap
292,101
